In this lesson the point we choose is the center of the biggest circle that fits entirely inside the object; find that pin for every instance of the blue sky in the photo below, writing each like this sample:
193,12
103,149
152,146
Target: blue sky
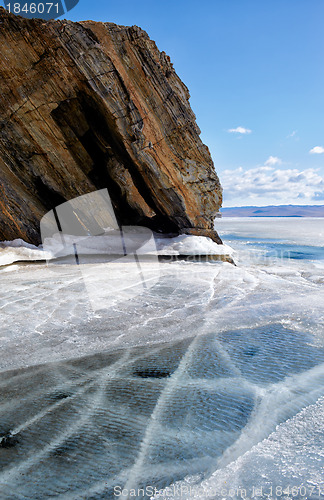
254,67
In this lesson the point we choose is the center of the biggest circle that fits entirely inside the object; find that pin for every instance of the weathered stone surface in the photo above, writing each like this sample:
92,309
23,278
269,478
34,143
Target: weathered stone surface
90,105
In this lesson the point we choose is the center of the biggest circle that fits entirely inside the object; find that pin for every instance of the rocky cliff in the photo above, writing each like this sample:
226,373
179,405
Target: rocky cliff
90,105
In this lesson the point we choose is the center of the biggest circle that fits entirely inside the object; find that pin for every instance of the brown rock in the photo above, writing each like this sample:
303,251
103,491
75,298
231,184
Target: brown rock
90,105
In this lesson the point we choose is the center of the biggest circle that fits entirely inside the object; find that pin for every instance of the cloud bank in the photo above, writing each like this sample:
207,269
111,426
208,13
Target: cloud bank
269,185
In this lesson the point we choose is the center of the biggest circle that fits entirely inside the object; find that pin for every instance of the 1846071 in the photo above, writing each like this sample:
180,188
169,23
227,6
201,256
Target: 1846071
33,8
39,9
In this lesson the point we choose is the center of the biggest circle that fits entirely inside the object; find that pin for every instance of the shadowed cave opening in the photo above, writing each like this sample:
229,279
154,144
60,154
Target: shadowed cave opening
50,198
92,138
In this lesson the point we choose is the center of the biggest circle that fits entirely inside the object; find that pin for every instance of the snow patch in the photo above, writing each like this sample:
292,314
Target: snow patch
18,250
109,243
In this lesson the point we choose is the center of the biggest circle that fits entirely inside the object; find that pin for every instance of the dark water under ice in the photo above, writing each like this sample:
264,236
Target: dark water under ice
152,415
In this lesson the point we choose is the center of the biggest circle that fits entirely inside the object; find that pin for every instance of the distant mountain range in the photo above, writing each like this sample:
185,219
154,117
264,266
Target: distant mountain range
275,211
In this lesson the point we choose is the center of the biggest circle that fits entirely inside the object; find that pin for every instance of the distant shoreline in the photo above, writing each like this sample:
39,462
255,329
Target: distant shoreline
275,211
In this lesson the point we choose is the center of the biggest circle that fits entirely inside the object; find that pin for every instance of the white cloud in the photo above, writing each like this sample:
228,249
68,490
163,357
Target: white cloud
269,185
273,160
293,133
317,150
239,130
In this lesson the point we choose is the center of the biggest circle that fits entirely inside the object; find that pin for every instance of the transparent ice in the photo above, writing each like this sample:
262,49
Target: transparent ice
212,376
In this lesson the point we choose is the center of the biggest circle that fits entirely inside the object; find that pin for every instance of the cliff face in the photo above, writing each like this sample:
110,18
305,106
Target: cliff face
84,106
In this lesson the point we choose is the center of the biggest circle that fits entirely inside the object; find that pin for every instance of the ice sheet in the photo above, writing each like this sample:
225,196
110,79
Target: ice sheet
188,379
288,464
295,230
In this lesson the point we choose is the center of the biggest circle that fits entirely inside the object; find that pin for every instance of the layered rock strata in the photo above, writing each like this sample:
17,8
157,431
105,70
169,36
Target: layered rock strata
86,106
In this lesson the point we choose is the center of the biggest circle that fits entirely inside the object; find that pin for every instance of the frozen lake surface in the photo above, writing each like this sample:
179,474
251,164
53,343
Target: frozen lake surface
207,383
